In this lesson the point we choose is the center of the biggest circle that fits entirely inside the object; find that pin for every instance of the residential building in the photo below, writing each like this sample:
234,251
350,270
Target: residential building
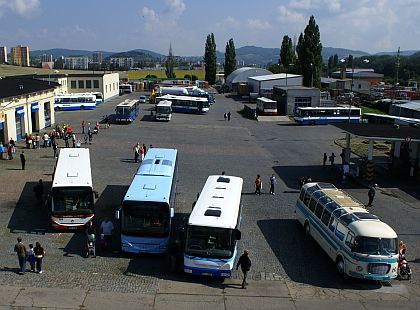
26,106
76,63
97,57
3,54
19,56
123,62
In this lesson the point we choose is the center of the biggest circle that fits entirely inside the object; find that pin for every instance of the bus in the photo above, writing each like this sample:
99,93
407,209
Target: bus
164,110
64,102
326,115
127,111
71,200
126,88
359,243
390,119
187,104
266,106
147,210
212,232
99,97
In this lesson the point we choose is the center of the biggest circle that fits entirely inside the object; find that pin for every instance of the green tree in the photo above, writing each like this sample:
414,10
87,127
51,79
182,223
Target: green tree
170,64
287,56
151,76
309,54
230,58
210,60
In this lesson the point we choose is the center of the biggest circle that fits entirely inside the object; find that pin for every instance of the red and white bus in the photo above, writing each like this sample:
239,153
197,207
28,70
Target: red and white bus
72,198
266,106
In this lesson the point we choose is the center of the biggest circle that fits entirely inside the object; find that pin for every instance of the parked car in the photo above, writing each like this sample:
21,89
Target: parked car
142,99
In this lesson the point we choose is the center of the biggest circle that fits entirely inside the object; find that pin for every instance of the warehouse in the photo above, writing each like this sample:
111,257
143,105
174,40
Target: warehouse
241,75
290,97
263,84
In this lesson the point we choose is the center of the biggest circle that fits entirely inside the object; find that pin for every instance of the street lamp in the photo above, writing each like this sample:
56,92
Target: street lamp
312,75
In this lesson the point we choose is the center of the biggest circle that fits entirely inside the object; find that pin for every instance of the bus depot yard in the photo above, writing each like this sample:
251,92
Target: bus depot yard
289,270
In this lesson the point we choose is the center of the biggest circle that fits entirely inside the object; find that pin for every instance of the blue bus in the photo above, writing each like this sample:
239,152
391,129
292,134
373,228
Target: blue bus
326,115
127,111
147,210
65,102
187,104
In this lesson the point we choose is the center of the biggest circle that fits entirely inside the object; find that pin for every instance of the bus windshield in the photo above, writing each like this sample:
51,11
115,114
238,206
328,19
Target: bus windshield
122,110
72,200
376,246
145,219
163,110
210,242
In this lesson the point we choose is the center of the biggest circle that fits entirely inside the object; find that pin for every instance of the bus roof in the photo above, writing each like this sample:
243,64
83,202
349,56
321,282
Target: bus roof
127,102
75,95
185,98
360,221
219,203
263,99
73,168
164,103
327,108
153,179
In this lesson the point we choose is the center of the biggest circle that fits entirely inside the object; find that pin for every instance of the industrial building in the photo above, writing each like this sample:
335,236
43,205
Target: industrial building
241,75
409,109
263,84
290,97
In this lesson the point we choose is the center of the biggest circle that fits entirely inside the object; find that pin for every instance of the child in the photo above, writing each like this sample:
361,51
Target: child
31,257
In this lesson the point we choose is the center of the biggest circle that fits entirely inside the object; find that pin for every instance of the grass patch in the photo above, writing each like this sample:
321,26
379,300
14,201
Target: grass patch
141,74
359,146
371,110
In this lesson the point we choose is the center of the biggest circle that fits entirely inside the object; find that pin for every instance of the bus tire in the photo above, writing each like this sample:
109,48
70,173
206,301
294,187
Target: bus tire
339,263
57,109
307,229
82,107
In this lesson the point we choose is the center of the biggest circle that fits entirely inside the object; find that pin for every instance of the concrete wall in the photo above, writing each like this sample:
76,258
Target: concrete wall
111,86
108,85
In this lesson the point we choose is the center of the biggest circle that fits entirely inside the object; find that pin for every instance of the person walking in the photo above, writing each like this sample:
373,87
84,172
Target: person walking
55,148
136,153
31,257
39,256
371,194
39,192
225,116
258,185
144,148
83,126
332,159
22,160
228,116
10,152
272,183
106,229
90,136
20,249
324,160
142,153
245,263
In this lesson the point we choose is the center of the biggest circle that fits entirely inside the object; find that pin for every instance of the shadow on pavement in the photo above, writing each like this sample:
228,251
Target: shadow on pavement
29,216
148,118
303,260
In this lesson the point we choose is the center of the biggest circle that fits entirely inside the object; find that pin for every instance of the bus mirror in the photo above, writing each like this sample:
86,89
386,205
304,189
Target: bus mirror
238,234
172,212
117,214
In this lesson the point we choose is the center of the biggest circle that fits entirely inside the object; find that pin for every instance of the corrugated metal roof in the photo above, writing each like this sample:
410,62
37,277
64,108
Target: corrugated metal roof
270,77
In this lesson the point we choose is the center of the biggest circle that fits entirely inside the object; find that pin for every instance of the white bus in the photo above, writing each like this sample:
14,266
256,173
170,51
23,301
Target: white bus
164,110
126,88
266,106
187,104
98,96
64,102
357,241
212,231
71,200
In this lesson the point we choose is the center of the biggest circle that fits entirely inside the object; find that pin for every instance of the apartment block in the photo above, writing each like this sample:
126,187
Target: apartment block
3,55
123,62
19,56
97,57
77,62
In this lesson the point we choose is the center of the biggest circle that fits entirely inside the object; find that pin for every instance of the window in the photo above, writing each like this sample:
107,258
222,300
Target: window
350,240
319,209
95,83
73,84
88,84
303,101
312,204
326,217
81,83
106,88
302,194
333,223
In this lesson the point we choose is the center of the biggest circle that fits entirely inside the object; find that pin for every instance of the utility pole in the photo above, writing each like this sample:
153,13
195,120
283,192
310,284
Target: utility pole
397,65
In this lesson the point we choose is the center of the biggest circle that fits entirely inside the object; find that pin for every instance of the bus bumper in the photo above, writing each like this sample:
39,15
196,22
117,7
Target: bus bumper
208,272
376,277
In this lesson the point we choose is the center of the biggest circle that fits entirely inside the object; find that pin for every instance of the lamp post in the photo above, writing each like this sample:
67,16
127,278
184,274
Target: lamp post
312,75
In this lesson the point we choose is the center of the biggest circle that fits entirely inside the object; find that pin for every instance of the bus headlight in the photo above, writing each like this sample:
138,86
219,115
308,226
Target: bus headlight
187,270
394,270
359,268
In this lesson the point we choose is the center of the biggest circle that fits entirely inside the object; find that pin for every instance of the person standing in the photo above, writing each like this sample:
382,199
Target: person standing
106,228
144,148
39,256
90,136
55,148
272,183
10,152
136,153
22,160
31,257
73,140
39,192
228,116
245,263
225,116
371,194
332,159
20,249
324,160
83,126
142,153
258,185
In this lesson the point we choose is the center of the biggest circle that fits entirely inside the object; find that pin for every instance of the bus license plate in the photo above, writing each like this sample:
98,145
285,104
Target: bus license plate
72,227
206,274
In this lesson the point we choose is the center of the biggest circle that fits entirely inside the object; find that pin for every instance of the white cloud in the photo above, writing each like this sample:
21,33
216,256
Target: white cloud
257,24
289,16
166,19
24,8
175,7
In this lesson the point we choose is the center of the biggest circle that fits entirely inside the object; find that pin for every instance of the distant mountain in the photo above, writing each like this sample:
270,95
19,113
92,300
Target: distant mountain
402,53
138,54
341,52
58,52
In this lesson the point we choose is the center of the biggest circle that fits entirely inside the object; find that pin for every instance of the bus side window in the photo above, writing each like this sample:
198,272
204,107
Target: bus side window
332,224
306,199
312,204
350,240
319,209
326,217
302,194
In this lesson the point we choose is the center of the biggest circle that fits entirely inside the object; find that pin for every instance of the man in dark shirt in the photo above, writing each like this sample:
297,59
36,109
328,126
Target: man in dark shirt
22,160
20,249
245,264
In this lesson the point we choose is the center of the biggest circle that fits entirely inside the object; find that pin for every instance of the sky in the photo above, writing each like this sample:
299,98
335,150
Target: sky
367,25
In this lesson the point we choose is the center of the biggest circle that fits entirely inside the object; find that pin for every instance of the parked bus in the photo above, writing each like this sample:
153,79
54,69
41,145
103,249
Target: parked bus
147,210
266,106
212,231
127,111
357,241
326,115
390,119
164,111
126,88
187,104
71,200
64,102
99,97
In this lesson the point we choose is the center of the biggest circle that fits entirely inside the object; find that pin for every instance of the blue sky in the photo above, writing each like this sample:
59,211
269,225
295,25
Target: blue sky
368,25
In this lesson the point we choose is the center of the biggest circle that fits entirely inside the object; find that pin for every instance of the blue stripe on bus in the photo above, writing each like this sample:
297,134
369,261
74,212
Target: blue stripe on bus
336,245
370,276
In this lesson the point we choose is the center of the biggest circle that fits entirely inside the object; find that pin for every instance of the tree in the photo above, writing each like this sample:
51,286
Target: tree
309,54
287,56
151,76
191,77
210,60
170,64
230,58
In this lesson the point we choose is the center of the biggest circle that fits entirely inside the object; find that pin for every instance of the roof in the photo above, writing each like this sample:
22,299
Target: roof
241,75
270,77
73,168
381,131
412,105
375,229
296,87
17,86
218,196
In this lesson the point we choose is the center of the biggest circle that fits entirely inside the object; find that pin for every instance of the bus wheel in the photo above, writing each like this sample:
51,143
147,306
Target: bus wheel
82,107
340,265
57,108
307,229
